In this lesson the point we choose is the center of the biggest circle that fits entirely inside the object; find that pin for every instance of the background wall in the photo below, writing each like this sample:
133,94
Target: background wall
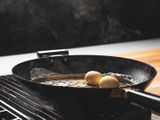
31,25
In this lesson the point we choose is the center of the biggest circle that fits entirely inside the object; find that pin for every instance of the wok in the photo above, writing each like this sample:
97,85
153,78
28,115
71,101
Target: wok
141,73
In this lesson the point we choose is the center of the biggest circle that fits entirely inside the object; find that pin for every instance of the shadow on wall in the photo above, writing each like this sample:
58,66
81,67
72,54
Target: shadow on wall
31,25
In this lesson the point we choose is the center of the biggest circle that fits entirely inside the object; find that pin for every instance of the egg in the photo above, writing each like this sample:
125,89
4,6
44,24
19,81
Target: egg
109,82
93,77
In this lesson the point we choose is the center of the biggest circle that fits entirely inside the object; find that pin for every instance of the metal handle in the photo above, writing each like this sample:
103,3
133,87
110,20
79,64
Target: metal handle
148,100
50,53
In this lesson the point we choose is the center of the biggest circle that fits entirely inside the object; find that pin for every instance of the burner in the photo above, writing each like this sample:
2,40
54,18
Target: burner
17,104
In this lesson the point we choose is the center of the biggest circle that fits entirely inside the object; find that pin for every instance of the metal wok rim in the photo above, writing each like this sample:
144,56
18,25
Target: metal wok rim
68,87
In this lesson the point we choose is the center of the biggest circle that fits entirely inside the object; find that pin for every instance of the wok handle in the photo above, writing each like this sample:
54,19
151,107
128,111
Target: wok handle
145,99
50,53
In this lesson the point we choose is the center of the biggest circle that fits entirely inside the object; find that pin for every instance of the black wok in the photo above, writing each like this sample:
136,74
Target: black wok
140,72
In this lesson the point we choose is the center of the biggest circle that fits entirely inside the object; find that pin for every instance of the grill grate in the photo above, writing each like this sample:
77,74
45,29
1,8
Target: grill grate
7,112
11,92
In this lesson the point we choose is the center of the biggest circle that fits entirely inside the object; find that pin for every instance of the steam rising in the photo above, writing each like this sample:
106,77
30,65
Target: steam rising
55,24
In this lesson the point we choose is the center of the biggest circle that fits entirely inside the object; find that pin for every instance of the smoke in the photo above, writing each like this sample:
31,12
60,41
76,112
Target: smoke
51,24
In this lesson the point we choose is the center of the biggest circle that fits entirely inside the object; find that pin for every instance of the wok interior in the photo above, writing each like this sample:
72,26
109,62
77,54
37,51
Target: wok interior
139,71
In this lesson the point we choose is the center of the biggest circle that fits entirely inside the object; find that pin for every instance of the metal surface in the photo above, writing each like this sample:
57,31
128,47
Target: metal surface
8,112
47,53
21,104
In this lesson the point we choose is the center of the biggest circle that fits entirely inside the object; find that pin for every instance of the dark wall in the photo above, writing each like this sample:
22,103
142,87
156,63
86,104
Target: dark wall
31,25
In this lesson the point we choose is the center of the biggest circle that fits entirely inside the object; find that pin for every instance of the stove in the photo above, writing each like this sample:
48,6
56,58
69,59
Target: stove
18,103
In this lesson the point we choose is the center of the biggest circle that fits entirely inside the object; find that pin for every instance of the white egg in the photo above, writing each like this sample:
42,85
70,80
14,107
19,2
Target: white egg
93,77
109,82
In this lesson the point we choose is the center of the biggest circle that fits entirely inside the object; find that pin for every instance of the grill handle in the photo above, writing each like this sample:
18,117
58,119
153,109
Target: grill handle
145,99
51,53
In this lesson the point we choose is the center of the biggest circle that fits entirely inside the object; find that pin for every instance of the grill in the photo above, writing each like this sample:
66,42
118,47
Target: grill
17,104
13,95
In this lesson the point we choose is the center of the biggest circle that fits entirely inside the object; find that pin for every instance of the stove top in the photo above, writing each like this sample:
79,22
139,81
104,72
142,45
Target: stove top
17,104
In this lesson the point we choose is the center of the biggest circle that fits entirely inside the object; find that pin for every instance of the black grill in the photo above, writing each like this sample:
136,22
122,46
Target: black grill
12,93
17,104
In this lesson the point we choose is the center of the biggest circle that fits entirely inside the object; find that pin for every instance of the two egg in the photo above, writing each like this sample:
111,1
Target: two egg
96,78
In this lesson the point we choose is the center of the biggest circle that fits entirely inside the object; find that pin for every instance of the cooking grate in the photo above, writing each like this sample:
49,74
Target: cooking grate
7,112
16,104
12,93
